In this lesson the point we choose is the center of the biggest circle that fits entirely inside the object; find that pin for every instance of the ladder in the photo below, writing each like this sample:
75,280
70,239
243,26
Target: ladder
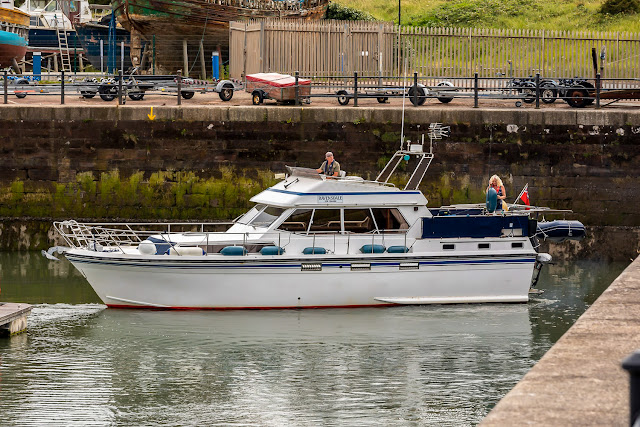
63,45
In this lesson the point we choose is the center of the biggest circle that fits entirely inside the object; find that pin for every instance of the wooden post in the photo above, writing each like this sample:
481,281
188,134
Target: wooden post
202,61
55,63
185,56
81,63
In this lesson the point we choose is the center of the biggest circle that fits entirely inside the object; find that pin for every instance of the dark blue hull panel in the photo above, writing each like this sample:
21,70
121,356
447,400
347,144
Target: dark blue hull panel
90,35
43,38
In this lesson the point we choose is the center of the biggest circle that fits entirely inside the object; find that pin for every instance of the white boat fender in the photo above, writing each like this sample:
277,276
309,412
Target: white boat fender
544,258
147,248
186,251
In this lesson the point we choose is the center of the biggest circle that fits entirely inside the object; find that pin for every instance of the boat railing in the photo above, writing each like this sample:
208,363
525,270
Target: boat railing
117,237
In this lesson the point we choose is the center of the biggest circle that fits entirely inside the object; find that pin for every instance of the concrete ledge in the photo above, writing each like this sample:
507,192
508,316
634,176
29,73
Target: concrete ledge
579,381
13,318
449,115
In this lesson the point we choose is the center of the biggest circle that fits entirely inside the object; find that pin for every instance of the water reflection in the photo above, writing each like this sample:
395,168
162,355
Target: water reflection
448,365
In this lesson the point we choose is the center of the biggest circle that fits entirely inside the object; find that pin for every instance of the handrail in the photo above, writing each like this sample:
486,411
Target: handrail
84,235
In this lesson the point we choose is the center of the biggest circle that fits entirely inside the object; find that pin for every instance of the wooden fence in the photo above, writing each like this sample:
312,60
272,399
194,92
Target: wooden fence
338,48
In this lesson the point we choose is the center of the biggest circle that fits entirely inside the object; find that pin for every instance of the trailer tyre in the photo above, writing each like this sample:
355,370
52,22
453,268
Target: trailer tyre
420,97
548,93
22,83
108,93
256,97
445,99
226,93
87,94
529,95
577,97
382,99
187,94
343,97
136,96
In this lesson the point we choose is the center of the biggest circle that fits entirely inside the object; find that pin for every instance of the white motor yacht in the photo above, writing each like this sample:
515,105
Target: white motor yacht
316,241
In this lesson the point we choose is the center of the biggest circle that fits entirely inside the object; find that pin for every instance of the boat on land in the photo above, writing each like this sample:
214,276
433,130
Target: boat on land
316,241
14,33
48,19
202,25
108,55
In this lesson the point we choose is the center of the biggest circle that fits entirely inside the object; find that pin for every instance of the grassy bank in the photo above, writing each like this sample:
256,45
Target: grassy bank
574,15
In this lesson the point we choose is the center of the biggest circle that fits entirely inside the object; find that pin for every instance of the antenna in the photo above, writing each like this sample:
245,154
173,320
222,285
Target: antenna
404,97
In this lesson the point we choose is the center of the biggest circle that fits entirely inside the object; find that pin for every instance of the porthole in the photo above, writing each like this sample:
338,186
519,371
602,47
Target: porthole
448,246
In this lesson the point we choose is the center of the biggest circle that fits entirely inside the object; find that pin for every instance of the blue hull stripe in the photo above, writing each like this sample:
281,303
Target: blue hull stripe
363,193
299,265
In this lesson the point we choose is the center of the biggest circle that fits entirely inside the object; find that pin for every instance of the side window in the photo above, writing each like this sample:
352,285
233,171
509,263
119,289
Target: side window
326,220
298,221
389,219
267,216
358,221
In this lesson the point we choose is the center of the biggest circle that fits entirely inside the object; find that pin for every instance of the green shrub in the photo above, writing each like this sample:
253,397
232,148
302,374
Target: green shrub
620,7
335,11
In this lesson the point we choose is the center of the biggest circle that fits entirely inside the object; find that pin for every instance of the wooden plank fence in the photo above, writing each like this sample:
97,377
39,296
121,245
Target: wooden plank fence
340,48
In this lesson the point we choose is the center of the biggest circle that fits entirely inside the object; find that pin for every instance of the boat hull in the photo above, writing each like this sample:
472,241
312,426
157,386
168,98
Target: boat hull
44,38
89,36
12,46
271,282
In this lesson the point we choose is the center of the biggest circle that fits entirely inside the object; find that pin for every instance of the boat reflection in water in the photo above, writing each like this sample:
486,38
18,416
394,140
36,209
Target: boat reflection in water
429,365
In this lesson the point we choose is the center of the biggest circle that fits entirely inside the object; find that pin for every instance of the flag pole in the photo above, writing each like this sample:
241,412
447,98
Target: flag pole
526,186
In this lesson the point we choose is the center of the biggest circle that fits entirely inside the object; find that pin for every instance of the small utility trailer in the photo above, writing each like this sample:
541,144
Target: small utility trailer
280,87
579,93
135,86
417,94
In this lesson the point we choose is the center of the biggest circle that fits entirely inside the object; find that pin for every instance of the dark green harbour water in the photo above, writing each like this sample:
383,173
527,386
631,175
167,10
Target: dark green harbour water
82,364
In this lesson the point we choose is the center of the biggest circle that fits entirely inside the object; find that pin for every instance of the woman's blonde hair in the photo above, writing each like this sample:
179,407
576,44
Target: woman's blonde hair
497,179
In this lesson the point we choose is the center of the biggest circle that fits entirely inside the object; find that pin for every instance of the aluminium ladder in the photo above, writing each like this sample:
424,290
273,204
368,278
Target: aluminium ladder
63,45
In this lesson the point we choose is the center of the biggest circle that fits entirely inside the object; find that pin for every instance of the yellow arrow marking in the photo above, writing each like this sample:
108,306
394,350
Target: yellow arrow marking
151,115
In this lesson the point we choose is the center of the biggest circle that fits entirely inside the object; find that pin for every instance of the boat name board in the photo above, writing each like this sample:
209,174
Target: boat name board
330,198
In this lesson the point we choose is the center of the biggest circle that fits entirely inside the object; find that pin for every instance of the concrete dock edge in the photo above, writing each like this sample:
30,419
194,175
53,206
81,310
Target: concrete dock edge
579,381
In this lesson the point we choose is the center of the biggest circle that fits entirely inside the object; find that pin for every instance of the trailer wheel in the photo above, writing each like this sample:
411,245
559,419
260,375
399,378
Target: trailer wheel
136,96
108,92
548,93
87,94
528,95
226,93
445,99
420,95
577,97
343,97
187,94
256,97
382,99
22,83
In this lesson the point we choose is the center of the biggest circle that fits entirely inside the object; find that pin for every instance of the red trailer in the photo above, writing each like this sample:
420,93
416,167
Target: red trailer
281,87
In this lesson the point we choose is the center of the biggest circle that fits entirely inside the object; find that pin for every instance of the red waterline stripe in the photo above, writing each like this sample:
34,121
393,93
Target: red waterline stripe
248,308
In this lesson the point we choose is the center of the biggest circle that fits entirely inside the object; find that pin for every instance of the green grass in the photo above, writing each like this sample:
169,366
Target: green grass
572,15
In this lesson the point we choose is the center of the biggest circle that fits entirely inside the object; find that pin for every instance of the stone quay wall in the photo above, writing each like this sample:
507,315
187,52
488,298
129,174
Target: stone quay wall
203,163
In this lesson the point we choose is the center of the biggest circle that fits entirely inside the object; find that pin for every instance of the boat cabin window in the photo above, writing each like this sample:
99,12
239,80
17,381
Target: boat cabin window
325,220
389,220
247,217
298,221
267,216
358,221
